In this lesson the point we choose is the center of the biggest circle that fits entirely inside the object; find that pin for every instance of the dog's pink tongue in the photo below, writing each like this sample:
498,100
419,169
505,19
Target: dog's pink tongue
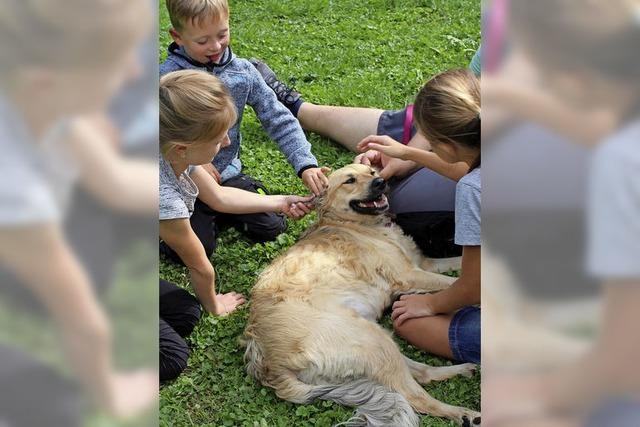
382,201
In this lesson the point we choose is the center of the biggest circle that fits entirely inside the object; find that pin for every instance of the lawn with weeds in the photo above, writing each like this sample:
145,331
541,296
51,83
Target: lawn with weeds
374,53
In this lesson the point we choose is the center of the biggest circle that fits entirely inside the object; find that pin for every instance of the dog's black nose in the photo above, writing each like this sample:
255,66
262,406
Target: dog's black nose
378,184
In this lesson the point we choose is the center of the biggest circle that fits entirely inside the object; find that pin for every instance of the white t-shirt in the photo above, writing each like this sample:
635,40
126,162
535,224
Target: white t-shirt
614,207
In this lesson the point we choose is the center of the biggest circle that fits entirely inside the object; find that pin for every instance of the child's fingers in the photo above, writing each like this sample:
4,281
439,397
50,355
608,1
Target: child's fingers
310,183
386,173
362,159
303,207
291,211
397,312
363,144
324,179
314,186
377,147
401,319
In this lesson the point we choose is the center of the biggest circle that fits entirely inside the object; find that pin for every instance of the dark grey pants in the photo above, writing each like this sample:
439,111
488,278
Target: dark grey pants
179,314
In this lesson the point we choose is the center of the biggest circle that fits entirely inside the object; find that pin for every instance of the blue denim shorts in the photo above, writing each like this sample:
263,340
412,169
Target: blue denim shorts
464,335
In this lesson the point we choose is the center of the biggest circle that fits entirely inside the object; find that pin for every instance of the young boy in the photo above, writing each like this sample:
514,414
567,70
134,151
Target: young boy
201,37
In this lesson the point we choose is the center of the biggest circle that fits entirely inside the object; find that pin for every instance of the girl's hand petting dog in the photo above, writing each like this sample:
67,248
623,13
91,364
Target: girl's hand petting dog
385,145
387,167
227,303
412,306
297,206
315,179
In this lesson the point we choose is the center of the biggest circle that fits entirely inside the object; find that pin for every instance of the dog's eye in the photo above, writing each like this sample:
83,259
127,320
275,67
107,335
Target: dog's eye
350,180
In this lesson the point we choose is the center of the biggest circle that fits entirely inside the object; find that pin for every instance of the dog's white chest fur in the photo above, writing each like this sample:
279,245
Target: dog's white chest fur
368,303
363,308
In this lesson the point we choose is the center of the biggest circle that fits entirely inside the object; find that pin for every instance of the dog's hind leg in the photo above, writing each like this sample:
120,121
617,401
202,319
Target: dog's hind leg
424,374
398,377
422,402
363,349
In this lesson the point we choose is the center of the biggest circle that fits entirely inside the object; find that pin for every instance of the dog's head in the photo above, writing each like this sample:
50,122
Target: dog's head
355,193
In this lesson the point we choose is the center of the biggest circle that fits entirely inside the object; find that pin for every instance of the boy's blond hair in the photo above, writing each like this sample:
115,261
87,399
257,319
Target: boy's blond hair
194,108
195,12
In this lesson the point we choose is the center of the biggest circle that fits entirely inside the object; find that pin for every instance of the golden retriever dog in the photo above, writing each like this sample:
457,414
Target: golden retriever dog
312,331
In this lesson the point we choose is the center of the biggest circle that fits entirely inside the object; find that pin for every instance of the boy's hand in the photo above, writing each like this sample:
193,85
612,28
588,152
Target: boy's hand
384,144
315,180
411,306
211,170
296,206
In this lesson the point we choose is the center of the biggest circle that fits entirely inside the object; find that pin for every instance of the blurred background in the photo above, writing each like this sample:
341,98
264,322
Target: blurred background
78,212
561,212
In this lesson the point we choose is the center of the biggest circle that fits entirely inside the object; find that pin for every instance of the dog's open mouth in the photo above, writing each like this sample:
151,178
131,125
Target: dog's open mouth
370,206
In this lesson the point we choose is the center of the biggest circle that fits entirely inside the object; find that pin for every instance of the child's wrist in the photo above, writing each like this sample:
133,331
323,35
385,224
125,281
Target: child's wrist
407,153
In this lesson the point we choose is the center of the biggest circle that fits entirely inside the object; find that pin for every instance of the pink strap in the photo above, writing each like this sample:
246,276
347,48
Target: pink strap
408,121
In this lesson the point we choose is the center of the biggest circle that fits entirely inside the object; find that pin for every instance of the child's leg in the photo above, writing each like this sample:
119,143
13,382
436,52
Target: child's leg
259,227
430,334
454,336
174,353
203,222
179,313
178,308
345,125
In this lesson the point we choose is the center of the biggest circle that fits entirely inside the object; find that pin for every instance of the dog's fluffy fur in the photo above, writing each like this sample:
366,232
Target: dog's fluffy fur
312,331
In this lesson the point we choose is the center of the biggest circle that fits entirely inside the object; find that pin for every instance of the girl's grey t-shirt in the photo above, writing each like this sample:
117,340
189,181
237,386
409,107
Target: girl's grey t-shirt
177,194
468,192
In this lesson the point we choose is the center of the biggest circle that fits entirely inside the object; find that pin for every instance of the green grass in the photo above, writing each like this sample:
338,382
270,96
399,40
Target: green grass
374,53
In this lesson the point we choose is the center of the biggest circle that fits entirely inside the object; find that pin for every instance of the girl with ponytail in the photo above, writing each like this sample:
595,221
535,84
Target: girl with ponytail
447,113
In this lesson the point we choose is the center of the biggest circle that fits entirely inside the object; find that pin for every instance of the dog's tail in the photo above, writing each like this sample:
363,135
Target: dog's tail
376,405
